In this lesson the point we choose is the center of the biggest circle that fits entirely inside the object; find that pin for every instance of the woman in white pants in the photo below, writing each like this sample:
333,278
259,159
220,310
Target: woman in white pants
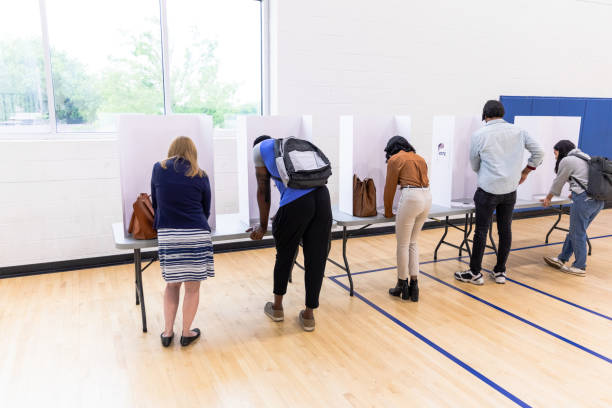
408,170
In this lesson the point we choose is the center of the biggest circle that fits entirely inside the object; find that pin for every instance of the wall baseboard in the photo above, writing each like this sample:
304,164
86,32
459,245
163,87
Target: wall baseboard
122,259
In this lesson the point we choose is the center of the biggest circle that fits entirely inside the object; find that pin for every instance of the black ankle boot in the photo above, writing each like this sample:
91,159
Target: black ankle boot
414,290
400,288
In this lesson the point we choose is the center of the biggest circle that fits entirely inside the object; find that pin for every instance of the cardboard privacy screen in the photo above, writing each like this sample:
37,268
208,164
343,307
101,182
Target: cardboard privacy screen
362,143
453,182
145,139
548,130
249,129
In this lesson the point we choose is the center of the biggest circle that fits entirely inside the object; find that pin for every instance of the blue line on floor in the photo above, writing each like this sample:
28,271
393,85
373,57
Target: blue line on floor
586,309
521,319
391,267
439,349
552,243
558,336
363,272
460,259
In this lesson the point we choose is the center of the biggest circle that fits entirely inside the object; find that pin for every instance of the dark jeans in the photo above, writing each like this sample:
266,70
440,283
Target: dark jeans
503,205
307,219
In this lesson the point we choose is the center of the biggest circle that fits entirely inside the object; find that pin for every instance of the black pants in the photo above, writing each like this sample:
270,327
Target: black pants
307,219
503,205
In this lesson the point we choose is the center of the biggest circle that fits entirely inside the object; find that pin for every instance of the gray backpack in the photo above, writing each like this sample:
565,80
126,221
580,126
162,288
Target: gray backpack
600,178
301,164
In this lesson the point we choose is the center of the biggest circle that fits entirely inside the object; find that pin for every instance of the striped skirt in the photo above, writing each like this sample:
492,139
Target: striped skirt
185,254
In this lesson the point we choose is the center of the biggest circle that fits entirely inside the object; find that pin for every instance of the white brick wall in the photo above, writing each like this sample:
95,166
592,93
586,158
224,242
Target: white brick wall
58,198
425,58
421,58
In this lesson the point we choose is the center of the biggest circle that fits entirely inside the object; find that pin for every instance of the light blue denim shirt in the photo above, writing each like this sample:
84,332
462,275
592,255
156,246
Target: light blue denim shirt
496,154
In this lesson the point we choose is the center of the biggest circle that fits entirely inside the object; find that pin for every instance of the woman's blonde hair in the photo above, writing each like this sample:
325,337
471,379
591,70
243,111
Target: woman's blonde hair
183,148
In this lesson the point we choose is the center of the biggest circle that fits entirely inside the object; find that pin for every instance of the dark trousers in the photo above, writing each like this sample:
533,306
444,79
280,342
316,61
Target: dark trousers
307,219
503,205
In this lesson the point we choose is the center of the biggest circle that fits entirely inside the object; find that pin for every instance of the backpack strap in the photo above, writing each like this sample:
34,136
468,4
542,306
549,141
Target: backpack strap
578,182
581,157
278,152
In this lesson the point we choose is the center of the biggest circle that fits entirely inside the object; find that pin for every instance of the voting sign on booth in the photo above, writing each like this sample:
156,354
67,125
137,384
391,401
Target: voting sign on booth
145,139
362,143
453,182
249,129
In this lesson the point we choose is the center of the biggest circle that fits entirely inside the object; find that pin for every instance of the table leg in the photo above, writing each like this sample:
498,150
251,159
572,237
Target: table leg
589,244
139,290
136,280
467,230
346,264
297,251
441,239
555,224
471,228
491,237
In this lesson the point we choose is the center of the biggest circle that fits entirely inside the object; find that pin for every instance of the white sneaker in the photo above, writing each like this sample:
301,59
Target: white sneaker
500,277
554,262
573,270
469,277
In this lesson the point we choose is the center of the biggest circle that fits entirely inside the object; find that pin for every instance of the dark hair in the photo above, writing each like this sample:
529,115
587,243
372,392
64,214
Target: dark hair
261,139
493,109
563,147
397,144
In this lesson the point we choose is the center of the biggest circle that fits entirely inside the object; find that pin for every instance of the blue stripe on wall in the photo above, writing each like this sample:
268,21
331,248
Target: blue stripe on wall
596,114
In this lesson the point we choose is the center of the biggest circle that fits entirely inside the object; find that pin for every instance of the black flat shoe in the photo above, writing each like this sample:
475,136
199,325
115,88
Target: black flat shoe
166,341
399,288
414,290
185,341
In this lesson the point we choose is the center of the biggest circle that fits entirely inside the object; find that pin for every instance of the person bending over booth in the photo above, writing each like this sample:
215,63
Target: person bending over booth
496,154
572,166
181,197
409,170
304,215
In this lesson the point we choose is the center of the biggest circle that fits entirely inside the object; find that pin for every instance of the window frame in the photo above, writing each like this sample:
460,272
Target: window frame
49,132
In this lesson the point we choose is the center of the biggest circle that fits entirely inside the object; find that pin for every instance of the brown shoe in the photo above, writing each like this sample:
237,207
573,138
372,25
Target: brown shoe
275,315
307,324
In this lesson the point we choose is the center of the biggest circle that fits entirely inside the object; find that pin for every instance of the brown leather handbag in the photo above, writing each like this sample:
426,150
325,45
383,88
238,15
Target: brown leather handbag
364,197
142,222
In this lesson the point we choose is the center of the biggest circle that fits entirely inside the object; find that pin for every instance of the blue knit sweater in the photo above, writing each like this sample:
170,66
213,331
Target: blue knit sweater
180,201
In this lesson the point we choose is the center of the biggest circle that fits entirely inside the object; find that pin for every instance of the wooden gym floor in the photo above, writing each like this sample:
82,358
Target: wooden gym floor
543,339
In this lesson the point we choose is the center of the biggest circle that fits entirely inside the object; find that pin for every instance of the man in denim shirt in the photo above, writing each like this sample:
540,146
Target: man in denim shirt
496,154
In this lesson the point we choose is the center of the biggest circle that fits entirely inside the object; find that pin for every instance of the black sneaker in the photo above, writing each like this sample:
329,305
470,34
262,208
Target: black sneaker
469,277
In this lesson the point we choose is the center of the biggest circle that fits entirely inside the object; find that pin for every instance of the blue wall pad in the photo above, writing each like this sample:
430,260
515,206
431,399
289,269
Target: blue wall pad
596,114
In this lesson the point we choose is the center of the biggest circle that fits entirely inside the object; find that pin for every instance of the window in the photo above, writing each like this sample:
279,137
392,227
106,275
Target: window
105,60
215,58
23,94
75,66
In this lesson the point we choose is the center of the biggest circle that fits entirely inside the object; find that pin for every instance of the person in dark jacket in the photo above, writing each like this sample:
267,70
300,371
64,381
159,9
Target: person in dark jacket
181,197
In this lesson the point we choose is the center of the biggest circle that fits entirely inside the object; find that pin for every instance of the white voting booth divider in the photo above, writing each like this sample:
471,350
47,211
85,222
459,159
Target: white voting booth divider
145,139
548,130
249,129
362,143
452,180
